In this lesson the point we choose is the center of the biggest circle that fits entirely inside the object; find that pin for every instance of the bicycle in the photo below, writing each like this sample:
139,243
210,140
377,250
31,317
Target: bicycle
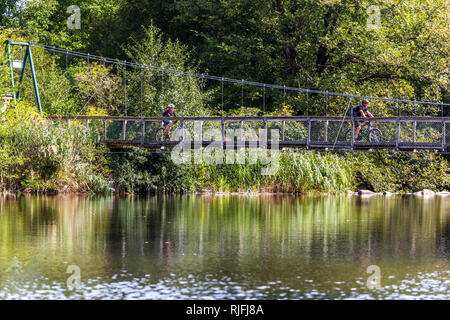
373,134
162,135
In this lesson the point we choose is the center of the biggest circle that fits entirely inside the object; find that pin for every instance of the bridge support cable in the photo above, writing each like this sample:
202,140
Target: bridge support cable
67,60
211,77
142,80
22,74
221,98
10,52
28,56
125,86
328,94
444,132
342,122
242,93
264,100
397,135
307,103
91,96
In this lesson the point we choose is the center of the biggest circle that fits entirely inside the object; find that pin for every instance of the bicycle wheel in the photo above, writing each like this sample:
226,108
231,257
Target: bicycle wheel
348,136
176,134
375,135
161,135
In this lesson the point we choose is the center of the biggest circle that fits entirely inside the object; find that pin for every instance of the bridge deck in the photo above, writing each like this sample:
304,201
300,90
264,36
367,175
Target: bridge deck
323,133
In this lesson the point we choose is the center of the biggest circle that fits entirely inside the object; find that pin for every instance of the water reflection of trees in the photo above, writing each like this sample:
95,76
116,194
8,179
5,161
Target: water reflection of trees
314,226
51,232
195,232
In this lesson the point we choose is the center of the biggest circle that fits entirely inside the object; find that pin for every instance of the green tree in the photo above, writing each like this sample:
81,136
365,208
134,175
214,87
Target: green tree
155,90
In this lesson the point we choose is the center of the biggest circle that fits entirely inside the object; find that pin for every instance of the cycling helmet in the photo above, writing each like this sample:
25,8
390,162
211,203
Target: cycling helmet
365,101
171,105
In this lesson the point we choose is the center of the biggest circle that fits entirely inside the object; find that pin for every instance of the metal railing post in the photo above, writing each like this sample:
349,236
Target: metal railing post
124,130
104,129
198,135
397,139
142,131
182,129
223,131
308,138
241,125
200,131
352,137
265,133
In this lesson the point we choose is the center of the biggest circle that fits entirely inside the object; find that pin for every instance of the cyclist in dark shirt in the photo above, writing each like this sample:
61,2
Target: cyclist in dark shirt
170,112
358,111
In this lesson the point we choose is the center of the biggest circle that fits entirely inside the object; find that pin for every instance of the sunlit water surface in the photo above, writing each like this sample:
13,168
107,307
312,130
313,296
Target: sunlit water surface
224,247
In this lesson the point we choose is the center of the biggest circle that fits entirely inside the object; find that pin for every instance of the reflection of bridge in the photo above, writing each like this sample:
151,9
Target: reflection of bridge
326,133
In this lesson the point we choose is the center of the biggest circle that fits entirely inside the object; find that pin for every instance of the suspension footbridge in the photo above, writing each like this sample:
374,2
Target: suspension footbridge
320,133
398,133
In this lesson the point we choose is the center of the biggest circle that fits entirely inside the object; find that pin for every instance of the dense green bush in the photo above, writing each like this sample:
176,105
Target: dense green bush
402,172
140,170
297,172
36,155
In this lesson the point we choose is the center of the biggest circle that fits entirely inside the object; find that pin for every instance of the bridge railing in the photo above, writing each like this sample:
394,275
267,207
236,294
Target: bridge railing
311,132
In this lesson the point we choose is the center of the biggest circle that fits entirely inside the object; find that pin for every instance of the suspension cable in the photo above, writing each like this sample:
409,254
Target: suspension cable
142,80
264,100
125,87
242,93
342,122
221,103
205,76
307,104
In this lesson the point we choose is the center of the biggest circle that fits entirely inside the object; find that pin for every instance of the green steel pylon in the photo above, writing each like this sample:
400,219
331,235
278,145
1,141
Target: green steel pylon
27,57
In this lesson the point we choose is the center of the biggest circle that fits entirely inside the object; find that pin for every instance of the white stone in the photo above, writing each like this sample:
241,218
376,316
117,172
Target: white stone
424,192
365,192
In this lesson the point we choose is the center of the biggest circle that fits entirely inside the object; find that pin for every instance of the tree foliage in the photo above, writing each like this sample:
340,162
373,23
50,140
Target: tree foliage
330,45
327,44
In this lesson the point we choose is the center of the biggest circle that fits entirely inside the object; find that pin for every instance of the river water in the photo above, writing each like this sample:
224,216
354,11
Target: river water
224,247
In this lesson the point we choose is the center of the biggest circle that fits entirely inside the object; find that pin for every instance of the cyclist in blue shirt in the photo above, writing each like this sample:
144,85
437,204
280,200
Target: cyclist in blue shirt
170,112
358,111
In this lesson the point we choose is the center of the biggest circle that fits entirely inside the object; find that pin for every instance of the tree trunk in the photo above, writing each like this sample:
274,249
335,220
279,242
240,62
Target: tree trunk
323,54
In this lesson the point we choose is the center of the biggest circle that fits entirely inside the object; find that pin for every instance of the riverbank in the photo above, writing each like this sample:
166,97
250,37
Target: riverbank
362,193
37,156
